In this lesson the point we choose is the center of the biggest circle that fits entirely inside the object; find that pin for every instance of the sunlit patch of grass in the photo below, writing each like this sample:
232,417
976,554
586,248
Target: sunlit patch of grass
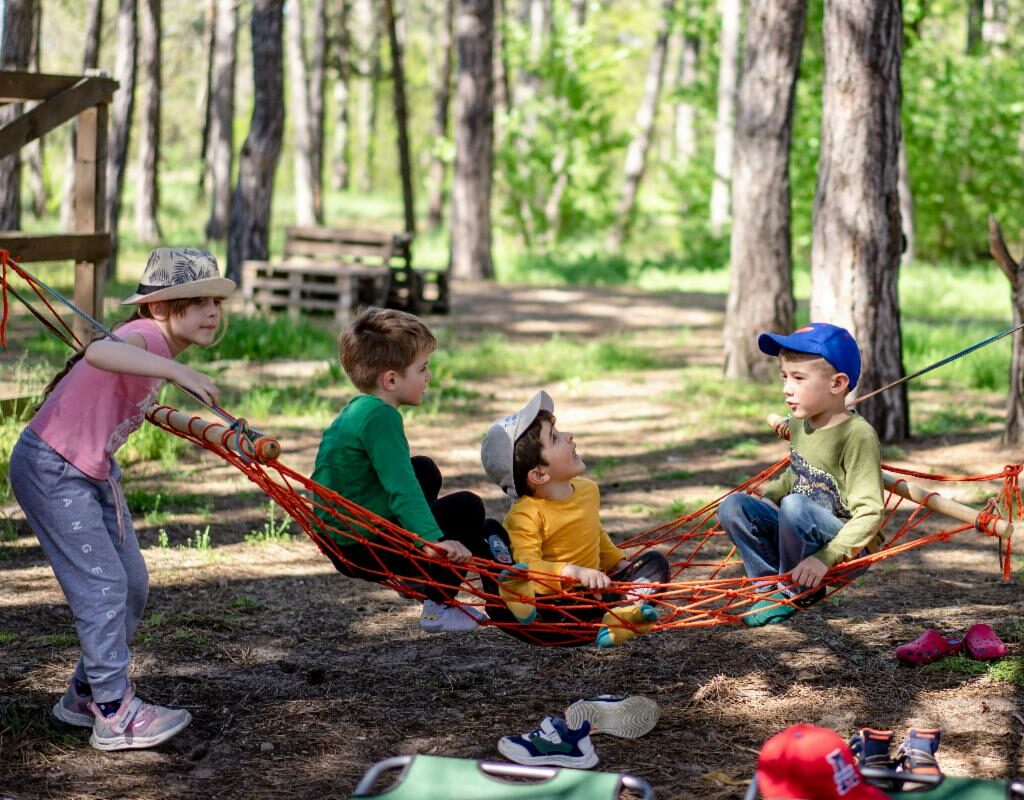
265,338
1007,670
746,448
953,420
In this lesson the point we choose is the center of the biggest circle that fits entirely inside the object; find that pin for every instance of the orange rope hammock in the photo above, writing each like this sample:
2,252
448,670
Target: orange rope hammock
707,586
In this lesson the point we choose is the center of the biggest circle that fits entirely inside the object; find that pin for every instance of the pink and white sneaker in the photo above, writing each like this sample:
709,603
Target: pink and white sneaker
136,724
73,708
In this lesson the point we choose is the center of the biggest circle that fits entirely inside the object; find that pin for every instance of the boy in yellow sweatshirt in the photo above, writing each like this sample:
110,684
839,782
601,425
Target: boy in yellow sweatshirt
554,526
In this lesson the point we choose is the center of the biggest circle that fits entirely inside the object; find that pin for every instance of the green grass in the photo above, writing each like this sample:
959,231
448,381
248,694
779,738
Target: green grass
273,530
1007,670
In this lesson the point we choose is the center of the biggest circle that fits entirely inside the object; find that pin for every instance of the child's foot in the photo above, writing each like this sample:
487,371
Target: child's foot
553,744
444,618
627,715
621,624
136,724
73,708
768,611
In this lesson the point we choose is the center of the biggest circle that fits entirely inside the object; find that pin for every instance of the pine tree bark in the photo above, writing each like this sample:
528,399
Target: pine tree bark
1013,433
474,140
317,70
761,287
636,153
121,120
341,161
728,50
34,150
366,48
305,213
205,93
442,101
684,111
147,201
856,249
89,61
249,229
15,51
401,116
220,154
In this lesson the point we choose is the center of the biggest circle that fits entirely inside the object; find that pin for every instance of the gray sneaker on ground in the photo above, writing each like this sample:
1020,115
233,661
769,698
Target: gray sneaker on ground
73,708
136,724
626,715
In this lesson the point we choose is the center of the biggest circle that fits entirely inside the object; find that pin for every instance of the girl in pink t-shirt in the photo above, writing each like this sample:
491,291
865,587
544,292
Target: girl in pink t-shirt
65,477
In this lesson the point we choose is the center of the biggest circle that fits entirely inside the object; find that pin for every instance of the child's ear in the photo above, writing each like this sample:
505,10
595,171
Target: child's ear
537,477
160,310
840,383
387,380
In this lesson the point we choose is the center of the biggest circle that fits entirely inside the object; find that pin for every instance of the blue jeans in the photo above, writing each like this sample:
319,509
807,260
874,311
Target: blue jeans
772,541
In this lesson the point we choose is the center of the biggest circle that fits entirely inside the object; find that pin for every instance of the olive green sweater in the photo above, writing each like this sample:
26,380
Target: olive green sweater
839,468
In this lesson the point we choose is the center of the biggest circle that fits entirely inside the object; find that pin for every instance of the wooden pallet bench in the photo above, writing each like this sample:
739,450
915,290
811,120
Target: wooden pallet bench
300,286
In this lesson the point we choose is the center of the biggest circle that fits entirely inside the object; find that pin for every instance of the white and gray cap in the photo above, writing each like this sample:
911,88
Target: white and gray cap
499,444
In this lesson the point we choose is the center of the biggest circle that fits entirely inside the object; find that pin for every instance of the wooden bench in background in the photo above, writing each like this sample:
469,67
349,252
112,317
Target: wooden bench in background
341,270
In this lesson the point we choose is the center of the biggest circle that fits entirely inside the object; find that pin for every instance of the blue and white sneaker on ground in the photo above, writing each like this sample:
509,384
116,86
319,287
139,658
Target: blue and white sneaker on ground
627,715
553,744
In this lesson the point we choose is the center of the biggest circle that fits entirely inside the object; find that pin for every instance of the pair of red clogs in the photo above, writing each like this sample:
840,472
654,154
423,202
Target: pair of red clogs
980,643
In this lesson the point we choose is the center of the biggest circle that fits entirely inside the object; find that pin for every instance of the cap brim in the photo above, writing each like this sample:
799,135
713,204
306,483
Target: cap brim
527,414
771,344
205,287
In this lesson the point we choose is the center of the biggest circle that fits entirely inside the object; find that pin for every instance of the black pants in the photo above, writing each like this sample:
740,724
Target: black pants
459,515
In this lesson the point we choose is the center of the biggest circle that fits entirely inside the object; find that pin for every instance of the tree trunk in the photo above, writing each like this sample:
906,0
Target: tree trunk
442,97
34,149
366,47
120,121
636,153
317,68
1013,433
220,153
728,49
760,247
341,162
975,15
579,12
15,51
206,92
89,61
995,14
249,229
147,200
474,140
502,88
856,250
684,111
305,213
401,117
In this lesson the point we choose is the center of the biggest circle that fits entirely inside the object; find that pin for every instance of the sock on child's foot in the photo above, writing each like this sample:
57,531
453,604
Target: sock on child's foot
622,624
109,709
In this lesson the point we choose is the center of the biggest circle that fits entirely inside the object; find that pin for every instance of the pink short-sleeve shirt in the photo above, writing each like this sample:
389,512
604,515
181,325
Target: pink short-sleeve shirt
91,412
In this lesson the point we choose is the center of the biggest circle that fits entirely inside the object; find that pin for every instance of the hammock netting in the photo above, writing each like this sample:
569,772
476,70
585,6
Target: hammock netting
706,587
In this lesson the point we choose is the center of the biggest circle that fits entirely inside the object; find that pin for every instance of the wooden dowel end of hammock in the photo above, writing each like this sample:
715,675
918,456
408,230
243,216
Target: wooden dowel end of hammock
916,494
261,448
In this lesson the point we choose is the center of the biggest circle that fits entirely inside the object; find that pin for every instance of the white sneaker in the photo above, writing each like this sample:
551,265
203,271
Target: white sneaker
444,618
625,715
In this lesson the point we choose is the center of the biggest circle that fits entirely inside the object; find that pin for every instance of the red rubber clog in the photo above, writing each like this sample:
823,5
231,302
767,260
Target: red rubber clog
928,647
983,644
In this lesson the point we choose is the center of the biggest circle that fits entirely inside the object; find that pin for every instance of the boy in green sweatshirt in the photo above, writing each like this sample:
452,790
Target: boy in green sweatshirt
364,456
827,505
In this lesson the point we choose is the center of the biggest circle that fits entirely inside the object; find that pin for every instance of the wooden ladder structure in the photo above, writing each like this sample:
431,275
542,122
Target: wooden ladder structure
61,98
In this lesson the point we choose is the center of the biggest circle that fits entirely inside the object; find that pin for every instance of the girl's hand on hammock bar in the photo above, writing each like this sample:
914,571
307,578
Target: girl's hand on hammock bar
197,383
450,549
590,578
809,572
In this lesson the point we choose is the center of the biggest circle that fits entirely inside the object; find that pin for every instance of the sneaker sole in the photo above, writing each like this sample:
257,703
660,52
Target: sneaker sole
138,742
61,714
515,754
628,719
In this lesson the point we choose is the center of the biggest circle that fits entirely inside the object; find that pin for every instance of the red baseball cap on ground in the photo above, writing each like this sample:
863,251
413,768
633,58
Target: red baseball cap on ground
805,762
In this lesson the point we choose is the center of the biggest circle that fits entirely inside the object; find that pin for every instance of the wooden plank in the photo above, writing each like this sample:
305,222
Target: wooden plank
334,250
325,234
29,247
53,112
39,85
90,211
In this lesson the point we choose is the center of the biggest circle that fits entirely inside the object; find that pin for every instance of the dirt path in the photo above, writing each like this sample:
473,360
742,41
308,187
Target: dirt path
300,679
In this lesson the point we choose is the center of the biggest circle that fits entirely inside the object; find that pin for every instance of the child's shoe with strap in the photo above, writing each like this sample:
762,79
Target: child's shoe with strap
554,744
73,708
137,724
626,715
917,753
871,748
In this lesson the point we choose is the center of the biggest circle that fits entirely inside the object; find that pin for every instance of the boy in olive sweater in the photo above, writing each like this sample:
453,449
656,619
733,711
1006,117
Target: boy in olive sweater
364,456
827,505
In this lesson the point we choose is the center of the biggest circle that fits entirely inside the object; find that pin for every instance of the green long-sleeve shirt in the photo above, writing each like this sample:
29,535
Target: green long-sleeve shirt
839,468
364,457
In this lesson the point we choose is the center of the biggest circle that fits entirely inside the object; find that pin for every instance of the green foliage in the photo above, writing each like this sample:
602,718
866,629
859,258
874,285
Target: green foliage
200,540
263,338
273,530
1007,670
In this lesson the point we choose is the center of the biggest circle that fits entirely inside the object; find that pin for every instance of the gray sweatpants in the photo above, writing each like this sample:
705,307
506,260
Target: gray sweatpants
86,533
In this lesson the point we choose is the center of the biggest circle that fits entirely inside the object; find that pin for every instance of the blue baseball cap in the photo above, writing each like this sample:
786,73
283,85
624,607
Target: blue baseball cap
832,343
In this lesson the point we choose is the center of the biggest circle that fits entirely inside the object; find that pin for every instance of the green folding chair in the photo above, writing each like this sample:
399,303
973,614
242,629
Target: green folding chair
437,778
930,787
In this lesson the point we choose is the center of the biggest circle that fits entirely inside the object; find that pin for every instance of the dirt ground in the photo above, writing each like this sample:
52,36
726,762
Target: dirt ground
299,679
